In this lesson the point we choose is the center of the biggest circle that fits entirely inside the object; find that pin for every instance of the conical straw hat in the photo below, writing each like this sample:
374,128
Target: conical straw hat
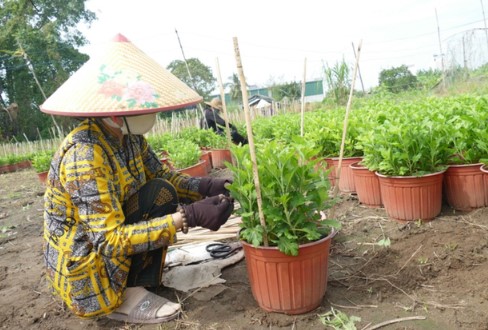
121,81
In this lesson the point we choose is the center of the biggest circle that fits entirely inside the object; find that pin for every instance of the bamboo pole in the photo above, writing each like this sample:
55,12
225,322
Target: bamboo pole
303,97
250,137
359,69
188,70
344,130
224,106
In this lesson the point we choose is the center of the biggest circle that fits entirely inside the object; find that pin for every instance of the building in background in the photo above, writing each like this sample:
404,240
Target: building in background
314,92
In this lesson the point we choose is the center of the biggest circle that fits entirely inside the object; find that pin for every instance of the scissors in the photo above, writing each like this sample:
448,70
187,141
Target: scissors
222,250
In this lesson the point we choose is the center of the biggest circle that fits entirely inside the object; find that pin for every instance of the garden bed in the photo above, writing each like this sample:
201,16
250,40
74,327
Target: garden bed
435,270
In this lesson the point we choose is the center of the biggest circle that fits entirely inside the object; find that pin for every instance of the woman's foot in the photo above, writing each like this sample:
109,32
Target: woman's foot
142,306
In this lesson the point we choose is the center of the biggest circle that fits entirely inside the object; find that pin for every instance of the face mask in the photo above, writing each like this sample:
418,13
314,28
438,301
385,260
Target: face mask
138,125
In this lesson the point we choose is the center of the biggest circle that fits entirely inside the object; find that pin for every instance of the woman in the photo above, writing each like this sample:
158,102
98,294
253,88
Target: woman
111,208
213,120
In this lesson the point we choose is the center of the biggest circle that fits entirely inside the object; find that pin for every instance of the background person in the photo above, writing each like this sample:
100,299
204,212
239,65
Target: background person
212,120
111,208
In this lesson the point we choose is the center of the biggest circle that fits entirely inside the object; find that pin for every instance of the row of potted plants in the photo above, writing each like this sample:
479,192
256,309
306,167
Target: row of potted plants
192,151
397,138
442,140
392,139
13,163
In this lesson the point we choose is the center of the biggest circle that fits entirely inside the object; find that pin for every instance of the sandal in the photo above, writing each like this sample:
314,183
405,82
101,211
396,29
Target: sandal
145,311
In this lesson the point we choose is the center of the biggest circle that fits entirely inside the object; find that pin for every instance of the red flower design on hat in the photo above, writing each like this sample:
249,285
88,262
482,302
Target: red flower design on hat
111,88
127,88
139,91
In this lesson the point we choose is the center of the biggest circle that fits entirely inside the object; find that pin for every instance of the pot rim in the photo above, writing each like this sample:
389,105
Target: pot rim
466,165
357,166
409,176
331,235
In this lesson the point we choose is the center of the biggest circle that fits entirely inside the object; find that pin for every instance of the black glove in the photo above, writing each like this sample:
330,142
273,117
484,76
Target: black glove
213,186
210,212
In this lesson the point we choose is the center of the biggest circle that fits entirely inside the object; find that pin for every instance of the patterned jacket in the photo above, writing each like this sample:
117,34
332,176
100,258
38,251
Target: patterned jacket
87,246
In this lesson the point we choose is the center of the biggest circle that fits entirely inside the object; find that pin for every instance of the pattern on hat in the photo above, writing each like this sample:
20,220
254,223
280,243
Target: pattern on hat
123,80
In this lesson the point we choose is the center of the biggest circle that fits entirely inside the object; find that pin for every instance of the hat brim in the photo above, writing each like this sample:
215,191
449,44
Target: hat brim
213,106
123,81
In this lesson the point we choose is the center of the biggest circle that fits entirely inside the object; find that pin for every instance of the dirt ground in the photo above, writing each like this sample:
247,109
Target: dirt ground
436,271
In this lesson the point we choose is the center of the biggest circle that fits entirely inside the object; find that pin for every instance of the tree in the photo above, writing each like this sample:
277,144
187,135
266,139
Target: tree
292,91
235,89
397,79
203,81
428,79
38,41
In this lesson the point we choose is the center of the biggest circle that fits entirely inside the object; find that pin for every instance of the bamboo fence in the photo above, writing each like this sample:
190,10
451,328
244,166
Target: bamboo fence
177,122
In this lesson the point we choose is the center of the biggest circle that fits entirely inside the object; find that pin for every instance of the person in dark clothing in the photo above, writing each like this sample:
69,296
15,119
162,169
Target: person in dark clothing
212,120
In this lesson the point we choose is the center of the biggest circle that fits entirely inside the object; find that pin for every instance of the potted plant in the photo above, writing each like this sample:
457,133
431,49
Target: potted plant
159,143
408,149
367,185
218,146
23,162
41,161
290,274
325,129
4,167
463,187
208,141
185,157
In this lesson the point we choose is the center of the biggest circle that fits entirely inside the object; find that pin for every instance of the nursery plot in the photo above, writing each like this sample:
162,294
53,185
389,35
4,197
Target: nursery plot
380,271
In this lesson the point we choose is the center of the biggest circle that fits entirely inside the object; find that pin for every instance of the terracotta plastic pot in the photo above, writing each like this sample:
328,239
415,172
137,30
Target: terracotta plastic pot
4,169
220,156
23,165
412,198
464,187
207,156
288,284
42,177
367,185
199,169
346,181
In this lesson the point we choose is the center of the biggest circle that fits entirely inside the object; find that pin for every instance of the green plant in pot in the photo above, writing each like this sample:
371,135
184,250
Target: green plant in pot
468,138
468,131
204,138
412,142
408,149
41,161
293,196
183,153
325,130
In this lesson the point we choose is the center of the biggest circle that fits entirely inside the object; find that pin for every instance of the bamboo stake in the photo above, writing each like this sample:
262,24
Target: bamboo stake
303,96
250,138
344,130
224,106
188,70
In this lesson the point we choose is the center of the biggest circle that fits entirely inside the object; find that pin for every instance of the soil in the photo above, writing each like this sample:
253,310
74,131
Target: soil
435,270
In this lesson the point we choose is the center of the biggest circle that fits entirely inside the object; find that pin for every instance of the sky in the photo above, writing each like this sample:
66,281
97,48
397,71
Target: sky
281,41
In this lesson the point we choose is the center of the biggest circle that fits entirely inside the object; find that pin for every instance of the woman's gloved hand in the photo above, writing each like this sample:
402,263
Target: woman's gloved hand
210,212
213,186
